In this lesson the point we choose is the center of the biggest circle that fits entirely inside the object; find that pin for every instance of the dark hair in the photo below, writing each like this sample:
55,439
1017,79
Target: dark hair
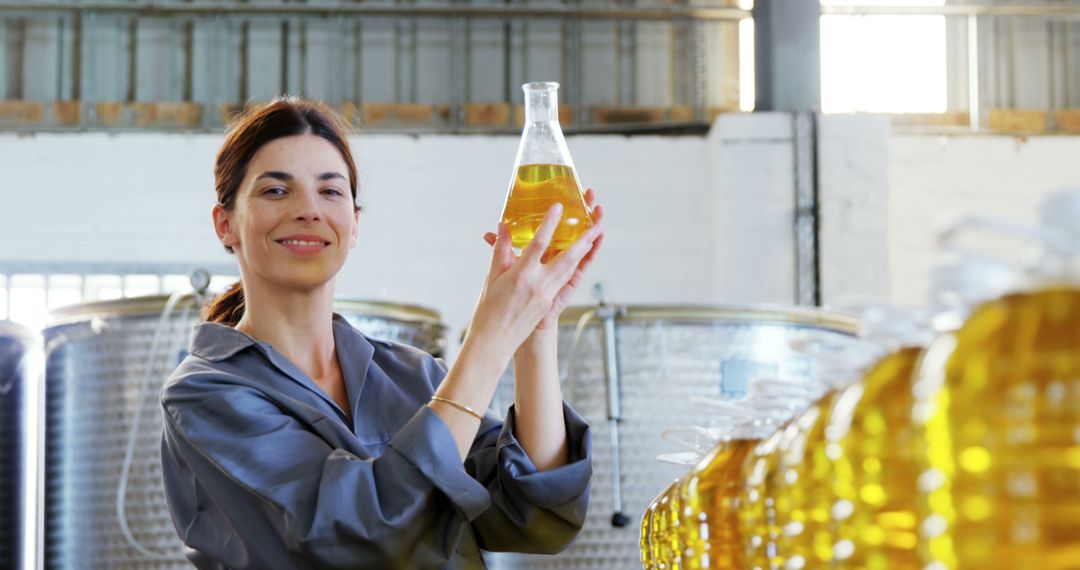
282,117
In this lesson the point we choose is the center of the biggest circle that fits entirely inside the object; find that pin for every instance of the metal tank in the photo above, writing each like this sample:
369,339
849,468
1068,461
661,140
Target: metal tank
630,371
106,362
16,381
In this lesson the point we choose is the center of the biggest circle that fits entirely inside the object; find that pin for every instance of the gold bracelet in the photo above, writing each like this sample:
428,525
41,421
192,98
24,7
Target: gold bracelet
460,406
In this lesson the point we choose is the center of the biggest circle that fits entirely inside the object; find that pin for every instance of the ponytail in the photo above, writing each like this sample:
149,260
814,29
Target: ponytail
228,308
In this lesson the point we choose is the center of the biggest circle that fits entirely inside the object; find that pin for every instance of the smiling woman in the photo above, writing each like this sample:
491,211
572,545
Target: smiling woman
291,440
285,128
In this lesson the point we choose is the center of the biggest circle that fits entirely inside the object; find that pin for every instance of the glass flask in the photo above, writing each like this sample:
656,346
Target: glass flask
999,403
544,174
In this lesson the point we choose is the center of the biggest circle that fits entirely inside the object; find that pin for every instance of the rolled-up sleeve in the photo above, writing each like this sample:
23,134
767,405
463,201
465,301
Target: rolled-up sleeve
531,511
284,484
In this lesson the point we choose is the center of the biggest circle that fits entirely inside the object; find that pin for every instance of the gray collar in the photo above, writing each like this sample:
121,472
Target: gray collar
216,342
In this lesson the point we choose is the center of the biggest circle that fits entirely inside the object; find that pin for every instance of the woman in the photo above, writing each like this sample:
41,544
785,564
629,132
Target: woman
293,441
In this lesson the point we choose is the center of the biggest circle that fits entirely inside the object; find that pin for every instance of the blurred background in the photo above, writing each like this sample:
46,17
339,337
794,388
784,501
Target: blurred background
784,152
111,113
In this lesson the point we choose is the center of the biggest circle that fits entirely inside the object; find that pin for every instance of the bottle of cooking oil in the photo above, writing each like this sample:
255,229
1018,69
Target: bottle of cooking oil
706,498
757,517
806,469
871,439
802,489
870,443
759,500
544,174
999,403
711,501
665,542
794,475
648,555
661,548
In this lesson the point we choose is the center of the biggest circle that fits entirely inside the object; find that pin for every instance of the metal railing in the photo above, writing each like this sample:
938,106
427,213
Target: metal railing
190,64
332,10
456,65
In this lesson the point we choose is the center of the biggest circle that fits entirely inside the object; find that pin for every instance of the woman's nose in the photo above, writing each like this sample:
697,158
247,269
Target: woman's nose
307,207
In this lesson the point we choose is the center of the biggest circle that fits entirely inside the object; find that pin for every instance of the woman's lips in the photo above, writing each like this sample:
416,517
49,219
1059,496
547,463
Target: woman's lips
303,247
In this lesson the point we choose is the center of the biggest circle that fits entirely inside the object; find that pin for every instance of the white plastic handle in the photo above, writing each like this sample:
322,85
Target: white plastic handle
694,438
726,408
683,458
1049,238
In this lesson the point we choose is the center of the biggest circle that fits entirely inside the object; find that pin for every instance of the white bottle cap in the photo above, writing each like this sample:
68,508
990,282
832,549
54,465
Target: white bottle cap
1060,212
894,326
968,279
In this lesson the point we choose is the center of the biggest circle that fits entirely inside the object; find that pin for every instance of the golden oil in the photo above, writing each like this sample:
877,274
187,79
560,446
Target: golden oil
803,491
670,548
711,502
536,187
660,541
872,444
757,515
648,558
1000,404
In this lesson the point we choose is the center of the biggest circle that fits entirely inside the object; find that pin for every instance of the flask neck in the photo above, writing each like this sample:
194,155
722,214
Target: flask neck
541,103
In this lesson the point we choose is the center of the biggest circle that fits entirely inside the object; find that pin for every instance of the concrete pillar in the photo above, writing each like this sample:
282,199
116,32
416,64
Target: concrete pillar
787,55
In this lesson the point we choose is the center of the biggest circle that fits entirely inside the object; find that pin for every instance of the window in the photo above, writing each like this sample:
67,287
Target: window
883,64
29,292
747,92
27,300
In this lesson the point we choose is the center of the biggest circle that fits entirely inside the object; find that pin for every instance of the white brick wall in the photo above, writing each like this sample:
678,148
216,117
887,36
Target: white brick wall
429,199
853,161
690,219
752,170
933,179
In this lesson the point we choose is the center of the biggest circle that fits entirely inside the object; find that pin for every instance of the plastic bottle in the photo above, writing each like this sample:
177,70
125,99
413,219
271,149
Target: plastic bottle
762,505
999,403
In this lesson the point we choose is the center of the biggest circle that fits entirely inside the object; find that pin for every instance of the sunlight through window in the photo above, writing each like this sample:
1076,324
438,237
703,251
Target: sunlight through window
883,64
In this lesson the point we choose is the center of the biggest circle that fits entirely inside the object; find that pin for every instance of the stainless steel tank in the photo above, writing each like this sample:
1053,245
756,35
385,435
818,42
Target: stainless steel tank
631,374
103,376
16,343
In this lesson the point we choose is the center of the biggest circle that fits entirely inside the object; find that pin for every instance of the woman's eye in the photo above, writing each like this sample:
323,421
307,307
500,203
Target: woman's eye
333,192
276,191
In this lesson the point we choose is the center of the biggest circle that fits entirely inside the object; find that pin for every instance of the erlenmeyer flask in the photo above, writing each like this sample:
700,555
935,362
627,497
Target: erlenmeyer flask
544,174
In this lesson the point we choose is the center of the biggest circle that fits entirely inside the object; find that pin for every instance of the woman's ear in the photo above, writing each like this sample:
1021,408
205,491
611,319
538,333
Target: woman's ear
354,236
223,227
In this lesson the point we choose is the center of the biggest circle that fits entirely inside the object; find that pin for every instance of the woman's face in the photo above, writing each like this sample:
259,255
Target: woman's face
293,221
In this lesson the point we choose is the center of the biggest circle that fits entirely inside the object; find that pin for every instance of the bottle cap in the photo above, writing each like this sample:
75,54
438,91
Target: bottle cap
1060,213
961,280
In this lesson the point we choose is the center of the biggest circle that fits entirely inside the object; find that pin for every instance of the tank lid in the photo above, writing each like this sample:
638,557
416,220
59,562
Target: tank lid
787,315
11,329
154,304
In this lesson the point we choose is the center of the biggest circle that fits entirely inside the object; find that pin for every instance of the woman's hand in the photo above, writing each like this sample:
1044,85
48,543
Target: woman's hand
562,298
521,291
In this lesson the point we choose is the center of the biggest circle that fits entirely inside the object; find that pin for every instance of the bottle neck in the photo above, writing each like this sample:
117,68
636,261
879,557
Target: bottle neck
541,106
